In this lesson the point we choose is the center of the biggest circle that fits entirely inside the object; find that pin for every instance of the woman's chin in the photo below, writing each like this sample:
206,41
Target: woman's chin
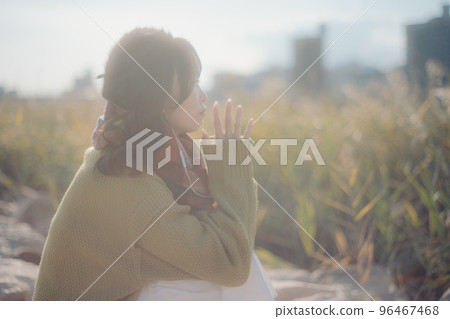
195,129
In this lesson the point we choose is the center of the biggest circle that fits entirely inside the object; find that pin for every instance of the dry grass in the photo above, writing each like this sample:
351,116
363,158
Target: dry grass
382,197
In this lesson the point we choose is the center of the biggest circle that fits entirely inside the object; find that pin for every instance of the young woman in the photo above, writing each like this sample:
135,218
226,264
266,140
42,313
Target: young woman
185,232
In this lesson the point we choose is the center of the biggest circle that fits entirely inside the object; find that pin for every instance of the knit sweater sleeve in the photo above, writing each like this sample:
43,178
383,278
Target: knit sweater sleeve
217,245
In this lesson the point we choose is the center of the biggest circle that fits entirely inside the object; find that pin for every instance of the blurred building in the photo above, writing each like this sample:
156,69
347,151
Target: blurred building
267,83
427,41
354,75
4,93
273,81
83,88
226,85
306,52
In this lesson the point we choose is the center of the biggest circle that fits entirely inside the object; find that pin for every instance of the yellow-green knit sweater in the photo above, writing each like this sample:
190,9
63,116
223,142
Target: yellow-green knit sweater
101,216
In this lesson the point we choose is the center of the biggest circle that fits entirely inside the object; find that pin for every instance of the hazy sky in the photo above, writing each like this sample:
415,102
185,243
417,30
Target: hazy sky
45,44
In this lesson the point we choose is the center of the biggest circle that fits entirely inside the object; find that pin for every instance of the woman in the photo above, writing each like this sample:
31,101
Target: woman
122,234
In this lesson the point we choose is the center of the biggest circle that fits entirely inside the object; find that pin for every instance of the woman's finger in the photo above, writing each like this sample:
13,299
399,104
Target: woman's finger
217,122
228,118
237,124
205,134
249,128
206,139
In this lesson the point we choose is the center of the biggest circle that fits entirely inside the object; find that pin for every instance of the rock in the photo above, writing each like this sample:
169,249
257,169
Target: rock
19,240
17,279
290,274
379,285
7,208
36,210
296,290
332,285
445,296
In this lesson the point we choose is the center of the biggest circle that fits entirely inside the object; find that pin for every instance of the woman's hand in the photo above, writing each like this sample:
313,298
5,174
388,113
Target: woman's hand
230,130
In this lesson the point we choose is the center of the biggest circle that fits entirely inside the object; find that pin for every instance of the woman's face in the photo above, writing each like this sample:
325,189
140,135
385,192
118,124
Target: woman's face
190,116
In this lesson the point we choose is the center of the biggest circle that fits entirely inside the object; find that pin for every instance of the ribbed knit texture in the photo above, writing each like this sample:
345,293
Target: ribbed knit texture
100,216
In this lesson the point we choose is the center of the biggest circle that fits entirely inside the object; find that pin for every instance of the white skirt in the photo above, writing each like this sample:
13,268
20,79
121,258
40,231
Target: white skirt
257,287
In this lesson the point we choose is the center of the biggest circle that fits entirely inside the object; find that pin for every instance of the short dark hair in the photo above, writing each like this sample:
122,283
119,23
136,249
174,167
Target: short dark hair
168,60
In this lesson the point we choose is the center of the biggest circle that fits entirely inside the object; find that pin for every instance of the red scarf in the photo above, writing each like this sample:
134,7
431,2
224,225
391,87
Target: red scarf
110,132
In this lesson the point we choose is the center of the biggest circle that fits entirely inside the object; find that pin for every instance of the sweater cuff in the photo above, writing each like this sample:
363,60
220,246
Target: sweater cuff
228,157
